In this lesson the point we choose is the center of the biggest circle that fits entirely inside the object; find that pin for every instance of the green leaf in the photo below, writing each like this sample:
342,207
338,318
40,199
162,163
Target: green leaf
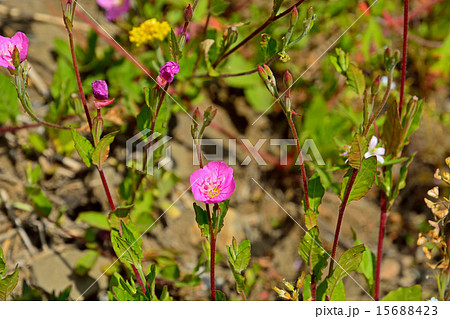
122,211
276,6
2,263
201,217
40,202
9,105
367,266
349,261
310,218
86,262
220,296
83,147
240,280
268,46
94,219
175,51
401,182
38,142
363,181
315,193
413,293
101,151
339,292
97,129
358,148
312,252
8,284
355,79
218,7
243,256
219,215
127,247
392,130
171,273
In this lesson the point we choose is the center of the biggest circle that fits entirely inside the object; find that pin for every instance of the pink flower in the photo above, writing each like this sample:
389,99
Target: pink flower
169,70
20,41
214,183
114,8
100,89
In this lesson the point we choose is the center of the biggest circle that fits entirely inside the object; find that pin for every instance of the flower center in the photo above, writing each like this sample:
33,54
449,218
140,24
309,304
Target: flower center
212,186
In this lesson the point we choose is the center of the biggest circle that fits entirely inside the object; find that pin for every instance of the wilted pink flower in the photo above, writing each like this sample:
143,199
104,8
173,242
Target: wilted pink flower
100,89
214,183
7,45
169,70
114,8
180,31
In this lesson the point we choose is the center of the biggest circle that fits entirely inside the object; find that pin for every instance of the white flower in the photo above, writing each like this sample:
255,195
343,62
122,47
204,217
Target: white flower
433,299
378,152
385,80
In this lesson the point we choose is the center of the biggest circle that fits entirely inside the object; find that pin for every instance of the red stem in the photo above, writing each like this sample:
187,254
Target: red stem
300,156
77,74
383,219
341,217
139,279
404,53
16,128
105,186
213,256
313,287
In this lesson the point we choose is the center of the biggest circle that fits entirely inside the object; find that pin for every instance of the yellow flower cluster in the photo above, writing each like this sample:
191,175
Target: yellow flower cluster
149,31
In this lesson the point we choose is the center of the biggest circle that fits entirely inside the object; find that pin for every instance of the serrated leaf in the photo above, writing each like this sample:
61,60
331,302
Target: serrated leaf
312,252
310,218
8,284
175,51
413,293
101,151
315,193
83,147
349,261
355,79
86,262
201,217
358,148
127,247
363,181
94,219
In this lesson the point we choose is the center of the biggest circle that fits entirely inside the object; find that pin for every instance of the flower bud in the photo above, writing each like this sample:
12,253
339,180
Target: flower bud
262,73
375,86
287,79
310,13
209,115
100,89
294,16
197,115
233,35
188,13
15,57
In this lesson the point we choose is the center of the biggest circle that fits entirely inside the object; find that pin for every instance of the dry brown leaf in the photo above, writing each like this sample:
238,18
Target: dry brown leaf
434,192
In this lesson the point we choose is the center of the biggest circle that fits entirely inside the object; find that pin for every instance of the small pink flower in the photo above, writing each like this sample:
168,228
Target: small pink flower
114,8
214,183
169,70
180,31
100,89
7,45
